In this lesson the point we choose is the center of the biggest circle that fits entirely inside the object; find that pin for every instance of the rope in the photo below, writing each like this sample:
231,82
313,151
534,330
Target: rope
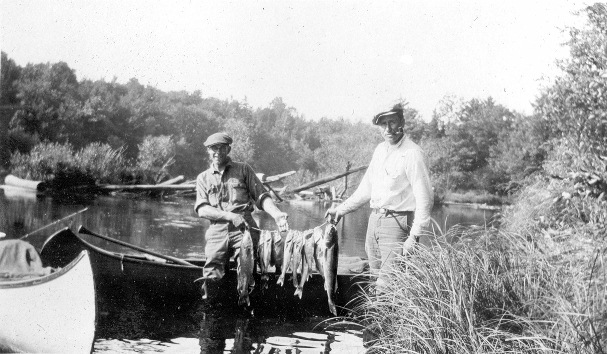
321,225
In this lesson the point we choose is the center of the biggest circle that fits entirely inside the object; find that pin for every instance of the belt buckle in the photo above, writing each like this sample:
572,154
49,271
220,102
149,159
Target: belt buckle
383,211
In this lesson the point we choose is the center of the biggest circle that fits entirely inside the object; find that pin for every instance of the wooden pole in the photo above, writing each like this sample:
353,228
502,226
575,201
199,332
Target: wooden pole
54,222
348,165
326,179
83,230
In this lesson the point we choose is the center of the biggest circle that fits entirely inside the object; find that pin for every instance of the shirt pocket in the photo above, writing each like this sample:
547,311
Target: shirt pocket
213,196
394,166
238,191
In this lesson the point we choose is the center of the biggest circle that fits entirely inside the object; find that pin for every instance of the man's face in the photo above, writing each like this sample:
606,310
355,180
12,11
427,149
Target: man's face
391,128
218,154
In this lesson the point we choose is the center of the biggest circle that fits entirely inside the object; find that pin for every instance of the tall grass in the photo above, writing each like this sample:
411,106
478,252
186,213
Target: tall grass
537,285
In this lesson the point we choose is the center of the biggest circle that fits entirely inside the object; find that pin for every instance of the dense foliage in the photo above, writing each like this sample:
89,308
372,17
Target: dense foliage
473,145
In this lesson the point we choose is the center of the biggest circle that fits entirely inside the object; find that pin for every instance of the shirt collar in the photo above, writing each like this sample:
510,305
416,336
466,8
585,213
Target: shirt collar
228,164
390,147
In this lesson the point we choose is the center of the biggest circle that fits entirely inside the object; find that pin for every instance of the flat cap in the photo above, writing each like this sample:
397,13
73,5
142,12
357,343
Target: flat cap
218,138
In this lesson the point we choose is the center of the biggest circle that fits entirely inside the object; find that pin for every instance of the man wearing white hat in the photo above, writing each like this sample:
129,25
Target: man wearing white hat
397,186
225,195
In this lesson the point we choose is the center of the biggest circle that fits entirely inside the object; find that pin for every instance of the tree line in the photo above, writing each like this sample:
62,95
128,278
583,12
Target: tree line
475,144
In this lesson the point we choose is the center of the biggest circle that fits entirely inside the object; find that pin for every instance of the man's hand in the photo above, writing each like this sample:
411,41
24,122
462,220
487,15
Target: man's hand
334,214
237,220
410,244
281,221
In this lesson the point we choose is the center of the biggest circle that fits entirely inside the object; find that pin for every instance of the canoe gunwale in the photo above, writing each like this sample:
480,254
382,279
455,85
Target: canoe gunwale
124,256
44,278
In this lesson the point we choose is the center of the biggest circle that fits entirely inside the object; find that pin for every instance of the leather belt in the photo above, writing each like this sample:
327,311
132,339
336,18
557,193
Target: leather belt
384,211
215,222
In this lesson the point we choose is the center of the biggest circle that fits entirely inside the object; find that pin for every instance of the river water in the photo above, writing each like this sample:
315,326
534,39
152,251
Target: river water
170,227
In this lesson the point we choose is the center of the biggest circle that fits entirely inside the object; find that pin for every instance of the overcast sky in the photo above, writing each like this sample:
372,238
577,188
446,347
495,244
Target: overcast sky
331,59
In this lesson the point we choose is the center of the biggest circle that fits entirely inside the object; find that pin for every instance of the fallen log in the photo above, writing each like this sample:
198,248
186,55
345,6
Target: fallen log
147,187
278,177
173,187
12,180
175,180
325,180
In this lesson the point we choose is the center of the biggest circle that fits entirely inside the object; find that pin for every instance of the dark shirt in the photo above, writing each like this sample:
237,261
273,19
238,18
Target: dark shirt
236,190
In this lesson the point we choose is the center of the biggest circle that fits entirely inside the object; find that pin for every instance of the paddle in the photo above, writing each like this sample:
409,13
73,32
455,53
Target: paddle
53,223
83,230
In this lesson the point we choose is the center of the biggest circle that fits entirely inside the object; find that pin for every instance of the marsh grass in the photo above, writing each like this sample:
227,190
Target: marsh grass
537,285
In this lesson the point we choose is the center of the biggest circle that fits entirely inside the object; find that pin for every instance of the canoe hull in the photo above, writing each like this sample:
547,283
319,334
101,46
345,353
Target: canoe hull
163,284
50,314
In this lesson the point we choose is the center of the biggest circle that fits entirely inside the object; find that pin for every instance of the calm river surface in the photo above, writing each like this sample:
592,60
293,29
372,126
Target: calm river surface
169,226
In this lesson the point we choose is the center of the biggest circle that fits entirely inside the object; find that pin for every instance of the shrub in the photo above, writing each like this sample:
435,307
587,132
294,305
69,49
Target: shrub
42,162
156,154
101,161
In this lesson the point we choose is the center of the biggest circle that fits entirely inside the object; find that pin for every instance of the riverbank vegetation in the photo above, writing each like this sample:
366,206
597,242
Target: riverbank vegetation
539,283
472,145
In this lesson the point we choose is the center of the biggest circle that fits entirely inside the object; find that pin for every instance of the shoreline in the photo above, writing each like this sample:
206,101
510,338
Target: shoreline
473,205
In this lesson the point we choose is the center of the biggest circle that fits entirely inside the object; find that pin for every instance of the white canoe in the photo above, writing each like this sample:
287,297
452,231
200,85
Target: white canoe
50,314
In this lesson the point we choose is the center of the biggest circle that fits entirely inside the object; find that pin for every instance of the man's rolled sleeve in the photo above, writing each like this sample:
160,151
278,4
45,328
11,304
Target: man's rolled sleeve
257,191
202,196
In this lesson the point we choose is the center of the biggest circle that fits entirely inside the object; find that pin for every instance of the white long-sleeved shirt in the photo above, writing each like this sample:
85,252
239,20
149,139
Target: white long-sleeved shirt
397,179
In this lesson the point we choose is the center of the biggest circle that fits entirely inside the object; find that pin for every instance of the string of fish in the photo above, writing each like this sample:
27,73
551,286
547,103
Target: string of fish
300,253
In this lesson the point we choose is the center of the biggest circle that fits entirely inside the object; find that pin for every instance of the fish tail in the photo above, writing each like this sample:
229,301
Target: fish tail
332,308
281,280
299,292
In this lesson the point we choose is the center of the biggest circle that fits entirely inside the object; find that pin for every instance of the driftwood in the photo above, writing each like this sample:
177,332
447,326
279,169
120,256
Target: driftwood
148,187
275,178
165,186
175,180
325,180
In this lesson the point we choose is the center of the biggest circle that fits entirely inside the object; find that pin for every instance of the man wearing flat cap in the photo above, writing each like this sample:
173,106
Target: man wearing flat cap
225,195
397,186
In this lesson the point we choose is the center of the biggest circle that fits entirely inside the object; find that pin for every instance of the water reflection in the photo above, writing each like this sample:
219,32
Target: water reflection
133,326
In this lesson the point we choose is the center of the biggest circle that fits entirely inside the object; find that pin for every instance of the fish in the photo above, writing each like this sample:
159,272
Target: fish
246,263
319,250
296,260
330,265
307,261
264,254
277,250
287,254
